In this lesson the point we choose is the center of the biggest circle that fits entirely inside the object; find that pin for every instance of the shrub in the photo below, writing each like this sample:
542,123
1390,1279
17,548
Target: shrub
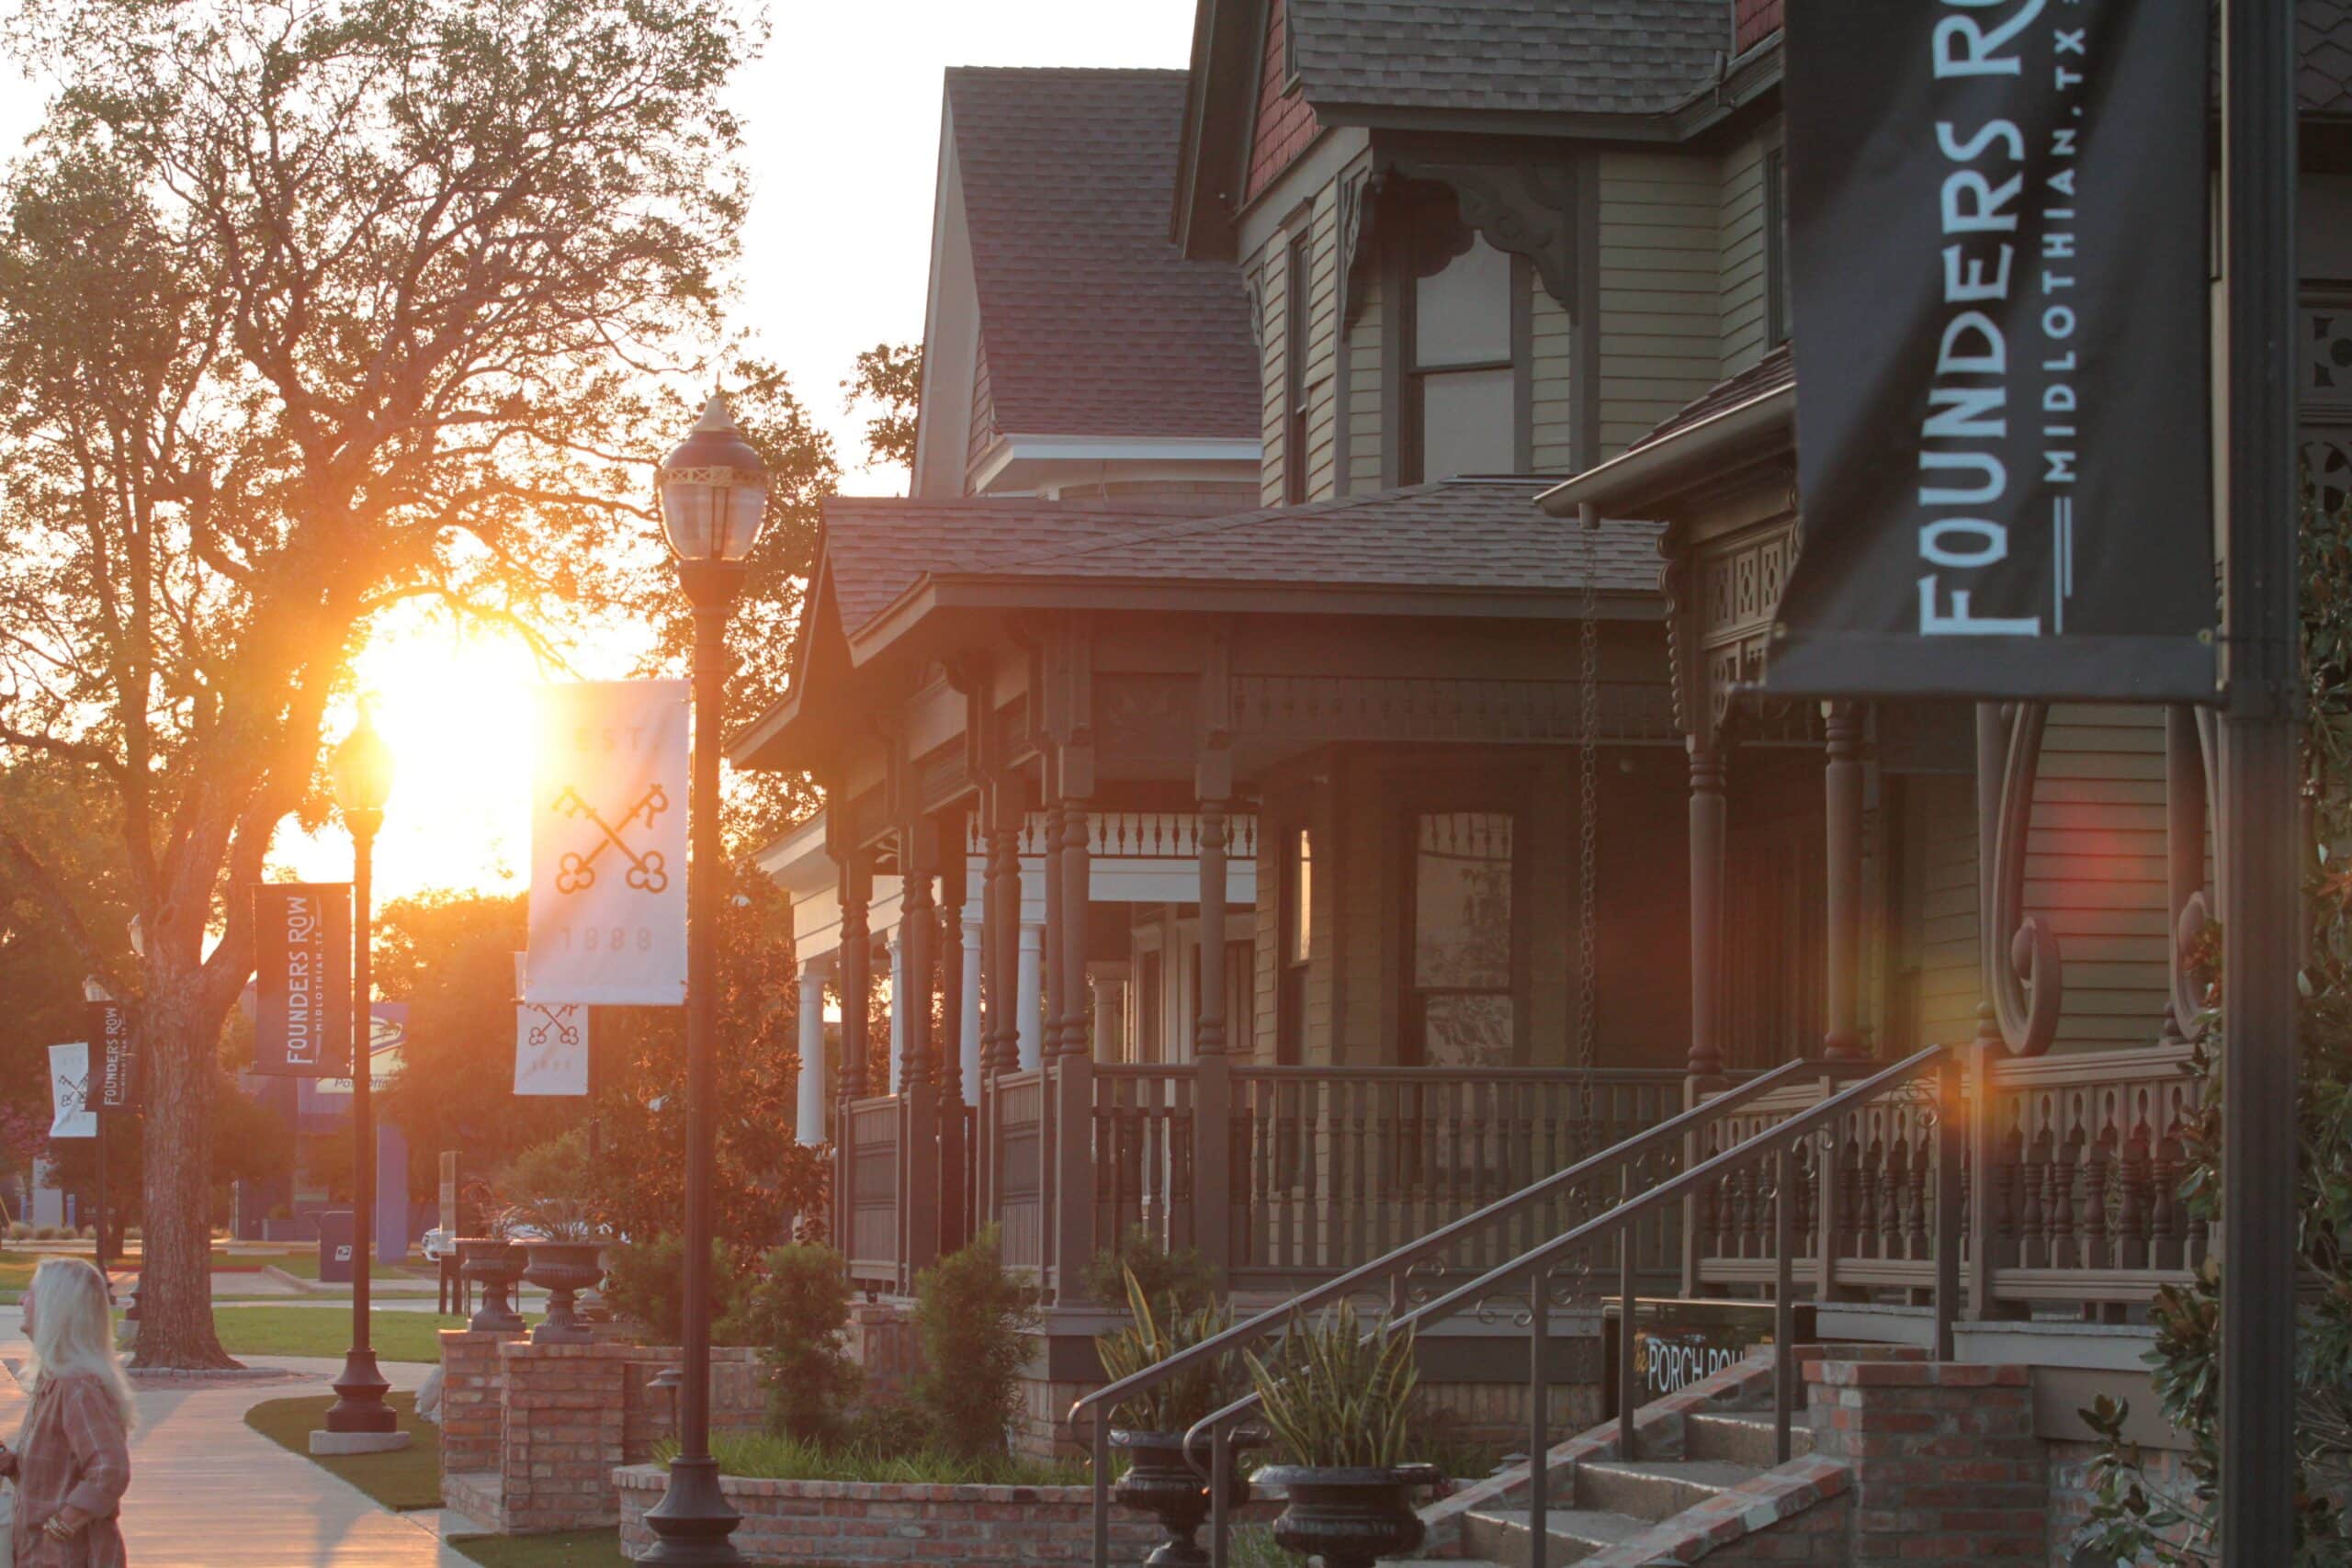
972,1317
773,1458
1334,1395
645,1282
1174,1282
795,1314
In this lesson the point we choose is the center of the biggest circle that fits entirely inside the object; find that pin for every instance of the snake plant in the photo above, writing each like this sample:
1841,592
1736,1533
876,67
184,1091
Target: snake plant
1336,1396
1152,1337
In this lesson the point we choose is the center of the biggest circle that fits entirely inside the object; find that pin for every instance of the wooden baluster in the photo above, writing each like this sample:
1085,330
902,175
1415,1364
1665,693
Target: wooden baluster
2033,1171
1920,1159
2171,1250
2133,1222
1854,1183
1312,1229
2064,1217
2008,1192
2098,1177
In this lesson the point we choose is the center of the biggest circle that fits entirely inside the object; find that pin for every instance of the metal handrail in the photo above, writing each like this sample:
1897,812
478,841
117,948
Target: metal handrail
1393,1265
1292,1072
1778,1139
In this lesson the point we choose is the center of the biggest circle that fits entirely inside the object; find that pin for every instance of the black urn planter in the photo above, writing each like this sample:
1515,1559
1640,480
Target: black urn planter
1351,1517
496,1266
1159,1481
562,1269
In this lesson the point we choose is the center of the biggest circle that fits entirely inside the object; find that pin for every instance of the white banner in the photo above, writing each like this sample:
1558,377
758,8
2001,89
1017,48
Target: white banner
386,1048
608,845
69,1092
551,1048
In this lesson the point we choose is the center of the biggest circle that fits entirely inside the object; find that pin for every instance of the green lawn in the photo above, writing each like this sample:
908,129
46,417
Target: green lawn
325,1331
405,1478
562,1549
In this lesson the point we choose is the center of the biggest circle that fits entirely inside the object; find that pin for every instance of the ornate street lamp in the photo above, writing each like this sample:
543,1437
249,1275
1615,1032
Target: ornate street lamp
714,501
360,776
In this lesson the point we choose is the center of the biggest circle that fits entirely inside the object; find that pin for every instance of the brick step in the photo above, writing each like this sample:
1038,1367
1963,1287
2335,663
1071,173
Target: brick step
1654,1489
1741,1437
1507,1535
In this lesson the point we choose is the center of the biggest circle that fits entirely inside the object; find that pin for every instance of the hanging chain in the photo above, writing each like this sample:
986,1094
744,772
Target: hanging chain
1588,827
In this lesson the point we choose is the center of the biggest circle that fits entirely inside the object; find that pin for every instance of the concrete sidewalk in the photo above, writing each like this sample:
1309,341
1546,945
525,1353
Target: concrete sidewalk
207,1491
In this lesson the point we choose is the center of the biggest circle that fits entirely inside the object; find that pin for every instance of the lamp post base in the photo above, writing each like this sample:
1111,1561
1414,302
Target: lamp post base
362,1406
692,1521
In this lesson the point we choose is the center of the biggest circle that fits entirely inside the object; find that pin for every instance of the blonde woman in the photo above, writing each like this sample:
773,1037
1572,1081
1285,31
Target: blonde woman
72,1456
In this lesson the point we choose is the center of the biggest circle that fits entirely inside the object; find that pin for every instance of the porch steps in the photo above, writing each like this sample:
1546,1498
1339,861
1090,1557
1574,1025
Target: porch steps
1702,1474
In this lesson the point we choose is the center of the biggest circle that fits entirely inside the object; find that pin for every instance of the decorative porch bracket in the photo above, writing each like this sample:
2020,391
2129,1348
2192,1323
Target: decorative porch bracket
1526,208
2023,985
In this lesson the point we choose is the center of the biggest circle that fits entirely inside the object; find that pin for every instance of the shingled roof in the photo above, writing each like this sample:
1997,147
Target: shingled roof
1092,321
2323,56
1534,56
1460,535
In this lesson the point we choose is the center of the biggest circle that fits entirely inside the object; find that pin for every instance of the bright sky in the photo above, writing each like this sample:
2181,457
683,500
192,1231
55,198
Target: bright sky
843,120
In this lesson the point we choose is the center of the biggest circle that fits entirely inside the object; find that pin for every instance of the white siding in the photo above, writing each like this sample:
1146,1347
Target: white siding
1553,416
1741,244
1660,344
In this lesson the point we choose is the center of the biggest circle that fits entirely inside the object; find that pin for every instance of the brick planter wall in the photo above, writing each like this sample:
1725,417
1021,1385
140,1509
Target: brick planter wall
531,1433
1946,1465
877,1526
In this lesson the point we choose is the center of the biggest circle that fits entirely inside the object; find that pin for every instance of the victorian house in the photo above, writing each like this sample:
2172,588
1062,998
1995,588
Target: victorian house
1302,728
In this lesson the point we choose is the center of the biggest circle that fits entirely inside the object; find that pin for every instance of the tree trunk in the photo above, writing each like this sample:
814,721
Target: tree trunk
180,1041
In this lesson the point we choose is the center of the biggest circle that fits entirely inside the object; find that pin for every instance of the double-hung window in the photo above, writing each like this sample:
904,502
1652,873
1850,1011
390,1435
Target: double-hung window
1461,392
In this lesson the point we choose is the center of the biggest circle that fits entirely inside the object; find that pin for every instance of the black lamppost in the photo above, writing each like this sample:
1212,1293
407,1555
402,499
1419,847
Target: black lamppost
714,503
360,773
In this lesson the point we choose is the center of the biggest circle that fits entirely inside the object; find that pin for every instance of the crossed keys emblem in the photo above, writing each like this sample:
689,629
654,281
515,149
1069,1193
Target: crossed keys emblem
556,1019
646,872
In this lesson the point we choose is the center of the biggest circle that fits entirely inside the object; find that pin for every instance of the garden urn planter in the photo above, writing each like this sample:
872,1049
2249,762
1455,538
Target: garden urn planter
495,1265
563,1269
1160,1482
1350,1516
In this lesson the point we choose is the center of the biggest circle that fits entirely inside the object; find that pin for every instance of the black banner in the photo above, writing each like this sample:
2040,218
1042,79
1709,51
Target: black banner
302,979
1997,226
113,1058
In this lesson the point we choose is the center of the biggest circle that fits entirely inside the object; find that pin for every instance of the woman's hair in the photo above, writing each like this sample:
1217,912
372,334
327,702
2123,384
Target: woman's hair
73,1331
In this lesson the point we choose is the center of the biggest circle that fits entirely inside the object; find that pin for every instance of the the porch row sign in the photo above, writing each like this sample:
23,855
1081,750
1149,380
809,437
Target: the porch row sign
1997,226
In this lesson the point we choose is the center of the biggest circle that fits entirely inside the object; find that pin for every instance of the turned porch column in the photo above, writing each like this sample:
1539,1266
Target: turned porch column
972,943
893,946
856,987
809,1128
1213,1072
918,1085
1000,917
1072,1063
1029,1023
949,1057
1707,832
1843,790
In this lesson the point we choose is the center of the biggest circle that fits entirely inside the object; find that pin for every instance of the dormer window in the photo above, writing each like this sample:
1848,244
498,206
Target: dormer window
1462,349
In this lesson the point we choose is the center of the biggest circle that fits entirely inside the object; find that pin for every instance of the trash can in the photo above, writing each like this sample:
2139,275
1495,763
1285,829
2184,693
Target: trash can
335,1246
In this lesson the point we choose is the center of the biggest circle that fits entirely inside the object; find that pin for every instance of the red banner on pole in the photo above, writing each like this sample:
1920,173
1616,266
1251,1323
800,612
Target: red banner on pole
302,979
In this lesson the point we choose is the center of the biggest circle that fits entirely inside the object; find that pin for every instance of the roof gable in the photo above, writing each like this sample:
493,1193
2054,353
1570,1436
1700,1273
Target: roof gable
1095,324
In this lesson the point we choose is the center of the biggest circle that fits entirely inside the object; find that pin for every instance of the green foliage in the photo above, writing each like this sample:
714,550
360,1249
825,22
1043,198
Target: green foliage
645,1282
1334,1394
797,1314
889,375
775,1458
1154,1333
548,1192
973,1319
1178,1281
2134,1516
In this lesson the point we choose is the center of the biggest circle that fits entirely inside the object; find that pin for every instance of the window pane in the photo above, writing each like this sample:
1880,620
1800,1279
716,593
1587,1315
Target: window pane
1462,886
1462,315
1468,423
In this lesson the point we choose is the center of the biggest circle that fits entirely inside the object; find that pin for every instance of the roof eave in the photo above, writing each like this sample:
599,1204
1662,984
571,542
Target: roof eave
1215,132
1637,478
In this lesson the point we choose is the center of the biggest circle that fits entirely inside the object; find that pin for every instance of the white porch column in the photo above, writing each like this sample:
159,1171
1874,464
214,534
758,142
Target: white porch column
811,1128
1032,948
970,1039
898,1013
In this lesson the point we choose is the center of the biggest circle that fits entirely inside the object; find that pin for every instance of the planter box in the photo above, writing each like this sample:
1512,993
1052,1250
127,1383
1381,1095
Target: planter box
876,1525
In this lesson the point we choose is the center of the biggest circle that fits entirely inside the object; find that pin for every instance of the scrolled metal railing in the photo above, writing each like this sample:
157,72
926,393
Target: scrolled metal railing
1398,1270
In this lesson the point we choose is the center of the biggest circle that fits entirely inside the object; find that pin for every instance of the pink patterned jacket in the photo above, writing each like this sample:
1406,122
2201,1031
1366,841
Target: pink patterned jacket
74,1452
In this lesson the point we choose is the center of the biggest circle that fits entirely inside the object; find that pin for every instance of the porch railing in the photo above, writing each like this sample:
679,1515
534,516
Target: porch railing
873,1247
1335,1166
1132,835
1023,1135
1143,1152
1534,1276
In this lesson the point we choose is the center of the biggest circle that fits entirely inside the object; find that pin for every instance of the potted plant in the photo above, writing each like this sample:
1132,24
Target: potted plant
1339,1401
1150,1427
495,1263
565,1238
